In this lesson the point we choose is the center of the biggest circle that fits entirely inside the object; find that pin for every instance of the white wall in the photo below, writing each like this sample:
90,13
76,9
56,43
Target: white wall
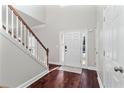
31,21
35,11
60,19
16,67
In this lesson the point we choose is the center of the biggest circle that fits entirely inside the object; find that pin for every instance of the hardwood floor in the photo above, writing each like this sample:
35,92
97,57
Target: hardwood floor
63,79
89,79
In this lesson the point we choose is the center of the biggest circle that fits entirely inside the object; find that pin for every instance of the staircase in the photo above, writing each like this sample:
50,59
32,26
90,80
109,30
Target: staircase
17,28
14,28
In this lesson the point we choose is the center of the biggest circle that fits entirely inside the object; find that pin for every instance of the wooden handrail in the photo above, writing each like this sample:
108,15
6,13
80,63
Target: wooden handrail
21,19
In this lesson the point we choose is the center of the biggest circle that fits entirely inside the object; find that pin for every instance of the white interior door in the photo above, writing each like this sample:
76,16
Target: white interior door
113,55
72,49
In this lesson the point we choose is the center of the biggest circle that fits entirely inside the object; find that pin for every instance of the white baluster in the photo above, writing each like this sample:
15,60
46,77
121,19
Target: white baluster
30,42
46,58
36,48
25,35
21,32
27,39
40,53
1,17
17,27
37,51
7,18
12,24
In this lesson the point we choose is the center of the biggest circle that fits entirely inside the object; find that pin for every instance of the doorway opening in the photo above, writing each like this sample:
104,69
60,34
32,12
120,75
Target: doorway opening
73,49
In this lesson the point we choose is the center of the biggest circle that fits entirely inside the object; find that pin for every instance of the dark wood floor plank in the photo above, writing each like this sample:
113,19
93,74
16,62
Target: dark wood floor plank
64,79
52,66
89,79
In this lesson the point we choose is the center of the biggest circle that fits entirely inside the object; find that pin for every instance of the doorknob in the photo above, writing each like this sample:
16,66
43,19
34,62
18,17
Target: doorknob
116,69
65,48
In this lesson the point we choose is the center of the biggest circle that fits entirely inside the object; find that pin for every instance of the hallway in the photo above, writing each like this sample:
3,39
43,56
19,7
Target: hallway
65,79
61,47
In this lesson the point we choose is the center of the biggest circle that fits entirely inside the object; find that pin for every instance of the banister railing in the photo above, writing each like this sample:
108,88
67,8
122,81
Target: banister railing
15,25
21,19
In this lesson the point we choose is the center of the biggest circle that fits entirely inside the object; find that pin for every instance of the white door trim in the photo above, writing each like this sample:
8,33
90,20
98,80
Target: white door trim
99,81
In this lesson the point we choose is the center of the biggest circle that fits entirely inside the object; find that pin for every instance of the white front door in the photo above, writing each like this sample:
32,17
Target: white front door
72,49
113,41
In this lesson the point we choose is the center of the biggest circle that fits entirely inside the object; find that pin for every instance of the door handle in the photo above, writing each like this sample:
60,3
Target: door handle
65,48
120,69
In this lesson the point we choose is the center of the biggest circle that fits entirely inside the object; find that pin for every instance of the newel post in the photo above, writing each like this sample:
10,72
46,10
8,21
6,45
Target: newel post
48,57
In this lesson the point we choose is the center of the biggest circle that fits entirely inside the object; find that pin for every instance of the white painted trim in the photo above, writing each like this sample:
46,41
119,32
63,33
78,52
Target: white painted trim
85,67
90,68
61,48
71,69
99,81
1,17
7,18
54,69
55,63
12,26
29,82
61,43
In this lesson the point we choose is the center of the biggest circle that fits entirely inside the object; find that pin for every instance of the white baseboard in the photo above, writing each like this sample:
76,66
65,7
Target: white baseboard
99,81
53,62
85,67
89,67
29,82
54,69
71,69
